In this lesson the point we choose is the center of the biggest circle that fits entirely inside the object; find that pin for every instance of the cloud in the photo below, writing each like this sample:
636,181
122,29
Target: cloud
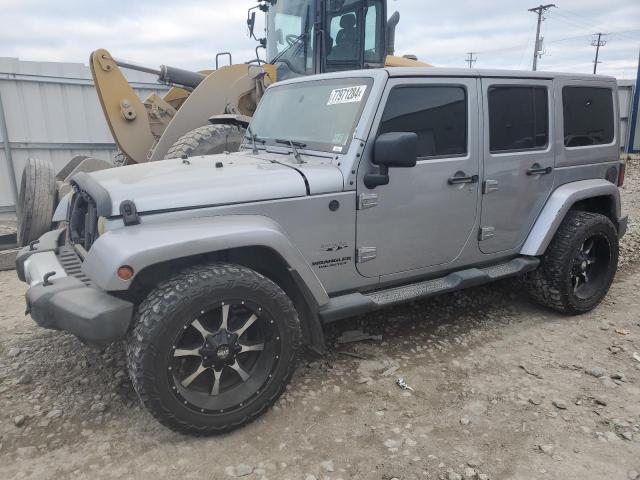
502,34
189,33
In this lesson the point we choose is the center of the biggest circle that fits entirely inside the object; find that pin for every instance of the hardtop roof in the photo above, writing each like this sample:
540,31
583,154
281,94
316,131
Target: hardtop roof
427,72
474,72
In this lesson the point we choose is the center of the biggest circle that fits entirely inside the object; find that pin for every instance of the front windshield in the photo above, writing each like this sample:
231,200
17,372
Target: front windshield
290,37
320,114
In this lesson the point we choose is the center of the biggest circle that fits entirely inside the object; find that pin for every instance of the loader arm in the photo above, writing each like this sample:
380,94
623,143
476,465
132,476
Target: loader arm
229,90
393,61
125,113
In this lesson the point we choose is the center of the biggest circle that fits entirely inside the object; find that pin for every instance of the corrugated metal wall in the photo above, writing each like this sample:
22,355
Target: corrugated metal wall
625,96
52,112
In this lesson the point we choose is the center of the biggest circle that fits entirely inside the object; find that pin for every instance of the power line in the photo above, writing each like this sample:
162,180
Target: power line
598,43
590,23
629,35
470,60
583,25
570,22
537,50
524,50
573,21
488,52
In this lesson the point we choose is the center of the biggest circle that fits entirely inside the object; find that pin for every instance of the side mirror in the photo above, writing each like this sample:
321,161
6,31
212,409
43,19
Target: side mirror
392,150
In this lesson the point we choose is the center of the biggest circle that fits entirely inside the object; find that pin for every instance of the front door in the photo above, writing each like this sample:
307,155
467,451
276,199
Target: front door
426,214
518,160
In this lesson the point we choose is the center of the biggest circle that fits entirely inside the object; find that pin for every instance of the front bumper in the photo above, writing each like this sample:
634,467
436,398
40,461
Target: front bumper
67,300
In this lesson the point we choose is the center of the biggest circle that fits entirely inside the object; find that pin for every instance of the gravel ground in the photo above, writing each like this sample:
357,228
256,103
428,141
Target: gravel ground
502,389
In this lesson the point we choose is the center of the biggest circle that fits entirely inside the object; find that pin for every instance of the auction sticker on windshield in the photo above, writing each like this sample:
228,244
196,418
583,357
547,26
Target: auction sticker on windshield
347,95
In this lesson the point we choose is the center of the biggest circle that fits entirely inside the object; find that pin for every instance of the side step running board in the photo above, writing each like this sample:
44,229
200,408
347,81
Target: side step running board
358,303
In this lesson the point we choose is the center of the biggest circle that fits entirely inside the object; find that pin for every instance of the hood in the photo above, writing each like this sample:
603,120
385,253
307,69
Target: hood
208,181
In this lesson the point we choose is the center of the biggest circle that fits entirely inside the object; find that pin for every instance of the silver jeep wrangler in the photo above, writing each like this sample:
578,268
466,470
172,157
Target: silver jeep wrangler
352,191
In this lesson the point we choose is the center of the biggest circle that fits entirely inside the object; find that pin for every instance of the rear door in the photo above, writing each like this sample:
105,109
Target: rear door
518,159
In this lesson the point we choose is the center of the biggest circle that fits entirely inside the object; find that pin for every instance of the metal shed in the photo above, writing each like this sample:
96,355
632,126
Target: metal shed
51,111
625,97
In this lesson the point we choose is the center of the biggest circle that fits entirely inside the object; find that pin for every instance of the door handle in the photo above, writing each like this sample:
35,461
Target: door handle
460,177
536,169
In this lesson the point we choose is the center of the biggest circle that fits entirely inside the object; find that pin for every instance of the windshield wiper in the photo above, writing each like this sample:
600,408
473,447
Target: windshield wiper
293,144
254,138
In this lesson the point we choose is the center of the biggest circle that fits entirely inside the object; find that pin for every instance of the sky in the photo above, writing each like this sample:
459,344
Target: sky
189,33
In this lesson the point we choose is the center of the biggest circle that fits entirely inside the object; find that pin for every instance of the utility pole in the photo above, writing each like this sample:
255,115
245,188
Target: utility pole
537,51
470,60
598,43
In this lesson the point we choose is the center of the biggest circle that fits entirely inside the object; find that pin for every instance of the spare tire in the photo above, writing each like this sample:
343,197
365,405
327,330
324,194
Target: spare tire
208,140
36,201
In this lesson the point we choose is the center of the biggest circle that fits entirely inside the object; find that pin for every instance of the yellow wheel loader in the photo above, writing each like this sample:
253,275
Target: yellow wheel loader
207,112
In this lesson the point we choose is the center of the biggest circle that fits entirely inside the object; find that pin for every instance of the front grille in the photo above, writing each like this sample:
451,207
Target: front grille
72,264
83,221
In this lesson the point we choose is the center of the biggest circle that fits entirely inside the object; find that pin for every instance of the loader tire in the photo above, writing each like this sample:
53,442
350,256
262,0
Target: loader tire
207,140
120,159
36,201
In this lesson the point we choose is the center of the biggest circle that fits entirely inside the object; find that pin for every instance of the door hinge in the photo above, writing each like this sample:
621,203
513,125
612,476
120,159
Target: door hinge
490,186
486,233
366,254
367,200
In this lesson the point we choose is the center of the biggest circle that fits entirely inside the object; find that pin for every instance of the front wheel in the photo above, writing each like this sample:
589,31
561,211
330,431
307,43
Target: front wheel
579,265
213,348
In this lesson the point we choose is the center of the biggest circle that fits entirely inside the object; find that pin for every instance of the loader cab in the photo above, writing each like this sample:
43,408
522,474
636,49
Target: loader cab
316,36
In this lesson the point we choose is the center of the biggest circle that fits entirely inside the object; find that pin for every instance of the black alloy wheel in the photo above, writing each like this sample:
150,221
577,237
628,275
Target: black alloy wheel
223,357
590,266
213,347
579,264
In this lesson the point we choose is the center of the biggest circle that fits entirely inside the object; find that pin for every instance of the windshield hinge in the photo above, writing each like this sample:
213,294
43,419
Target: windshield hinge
129,213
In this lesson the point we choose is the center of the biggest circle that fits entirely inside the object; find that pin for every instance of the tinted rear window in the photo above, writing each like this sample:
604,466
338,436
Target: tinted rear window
588,116
518,118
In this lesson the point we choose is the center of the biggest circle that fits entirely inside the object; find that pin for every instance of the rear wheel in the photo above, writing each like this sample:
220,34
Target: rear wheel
208,140
213,348
36,201
579,265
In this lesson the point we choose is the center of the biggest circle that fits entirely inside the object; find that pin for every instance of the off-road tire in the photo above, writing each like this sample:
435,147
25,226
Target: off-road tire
208,140
160,315
120,159
551,285
36,200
